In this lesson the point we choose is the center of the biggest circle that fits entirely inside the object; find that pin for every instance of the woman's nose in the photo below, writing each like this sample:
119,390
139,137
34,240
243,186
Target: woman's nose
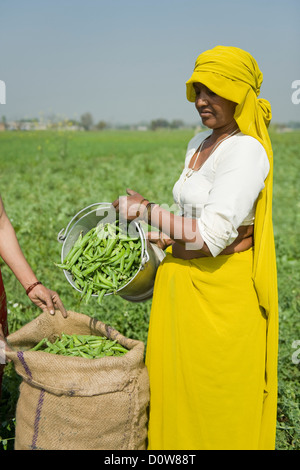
201,99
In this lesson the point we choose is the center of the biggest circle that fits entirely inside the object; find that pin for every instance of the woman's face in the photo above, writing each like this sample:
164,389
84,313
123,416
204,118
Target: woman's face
216,112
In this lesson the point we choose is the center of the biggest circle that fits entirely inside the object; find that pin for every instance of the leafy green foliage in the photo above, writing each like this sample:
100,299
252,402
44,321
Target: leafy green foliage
47,177
286,216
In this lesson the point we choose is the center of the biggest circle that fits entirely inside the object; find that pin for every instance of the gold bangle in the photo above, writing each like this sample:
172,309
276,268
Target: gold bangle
148,208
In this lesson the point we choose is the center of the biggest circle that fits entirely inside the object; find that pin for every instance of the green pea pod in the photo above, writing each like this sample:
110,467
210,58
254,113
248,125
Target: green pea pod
118,255
38,346
119,348
62,266
111,230
129,263
88,247
85,239
85,355
109,344
101,295
92,268
76,271
101,285
84,290
99,350
88,294
104,280
109,247
125,239
75,257
70,254
111,273
122,263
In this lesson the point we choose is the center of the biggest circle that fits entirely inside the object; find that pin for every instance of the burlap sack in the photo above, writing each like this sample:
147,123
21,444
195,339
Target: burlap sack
73,403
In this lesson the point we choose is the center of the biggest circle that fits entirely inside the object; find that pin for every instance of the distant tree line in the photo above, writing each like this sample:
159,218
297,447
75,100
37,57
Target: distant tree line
163,123
87,122
289,124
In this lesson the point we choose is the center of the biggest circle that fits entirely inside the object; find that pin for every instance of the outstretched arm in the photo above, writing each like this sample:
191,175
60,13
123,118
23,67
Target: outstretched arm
12,255
183,230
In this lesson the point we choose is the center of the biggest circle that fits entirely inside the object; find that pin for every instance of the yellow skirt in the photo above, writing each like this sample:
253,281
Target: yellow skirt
205,355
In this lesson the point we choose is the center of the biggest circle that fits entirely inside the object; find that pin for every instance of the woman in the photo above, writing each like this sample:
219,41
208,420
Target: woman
212,341
13,256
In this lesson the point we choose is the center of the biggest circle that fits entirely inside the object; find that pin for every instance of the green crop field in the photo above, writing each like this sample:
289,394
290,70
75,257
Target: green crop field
47,177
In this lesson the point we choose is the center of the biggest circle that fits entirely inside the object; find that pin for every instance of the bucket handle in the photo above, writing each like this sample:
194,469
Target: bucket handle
145,256
63,233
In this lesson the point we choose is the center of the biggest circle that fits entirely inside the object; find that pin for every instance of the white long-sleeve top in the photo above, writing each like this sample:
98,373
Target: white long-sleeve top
222,194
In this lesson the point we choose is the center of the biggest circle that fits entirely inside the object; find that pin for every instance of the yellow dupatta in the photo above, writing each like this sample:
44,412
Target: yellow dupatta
233,73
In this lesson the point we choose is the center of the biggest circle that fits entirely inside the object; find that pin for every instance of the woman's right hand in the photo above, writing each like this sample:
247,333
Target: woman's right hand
47,300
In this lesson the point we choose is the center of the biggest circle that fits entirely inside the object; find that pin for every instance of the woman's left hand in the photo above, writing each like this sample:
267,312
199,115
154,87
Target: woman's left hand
160,239
47,300
130,207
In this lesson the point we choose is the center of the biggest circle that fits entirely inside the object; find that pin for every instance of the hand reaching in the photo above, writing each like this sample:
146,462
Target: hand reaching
47,300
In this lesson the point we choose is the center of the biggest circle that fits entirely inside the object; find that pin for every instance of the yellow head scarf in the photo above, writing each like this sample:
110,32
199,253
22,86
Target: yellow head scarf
233,73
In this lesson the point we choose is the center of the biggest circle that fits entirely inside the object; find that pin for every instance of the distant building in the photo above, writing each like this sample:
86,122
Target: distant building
26,126
12,126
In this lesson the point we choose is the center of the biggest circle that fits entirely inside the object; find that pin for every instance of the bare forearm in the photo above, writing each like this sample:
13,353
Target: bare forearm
12,255
183,230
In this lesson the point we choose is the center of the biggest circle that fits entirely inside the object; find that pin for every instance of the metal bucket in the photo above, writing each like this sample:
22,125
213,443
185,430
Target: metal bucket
140,287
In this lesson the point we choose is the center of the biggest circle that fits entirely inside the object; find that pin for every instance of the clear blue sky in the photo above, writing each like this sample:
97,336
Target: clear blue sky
126,61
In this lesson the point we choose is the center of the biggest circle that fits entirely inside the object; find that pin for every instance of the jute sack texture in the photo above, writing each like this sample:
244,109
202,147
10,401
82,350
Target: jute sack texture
74,403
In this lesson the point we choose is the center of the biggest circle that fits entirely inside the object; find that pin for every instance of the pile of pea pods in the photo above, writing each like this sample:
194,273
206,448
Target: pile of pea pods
87,346
103,260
